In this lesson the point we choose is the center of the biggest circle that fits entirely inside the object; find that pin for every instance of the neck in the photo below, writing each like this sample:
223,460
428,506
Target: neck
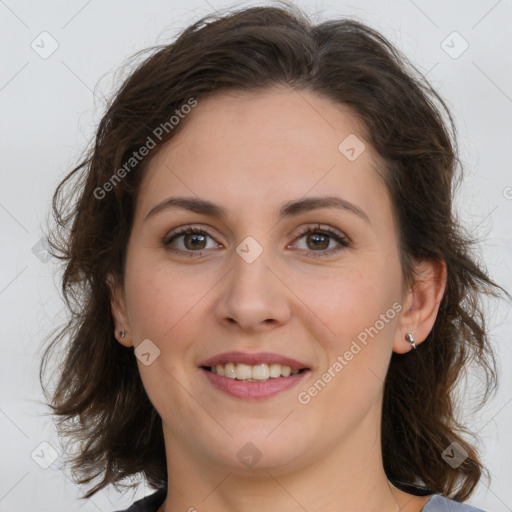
347,476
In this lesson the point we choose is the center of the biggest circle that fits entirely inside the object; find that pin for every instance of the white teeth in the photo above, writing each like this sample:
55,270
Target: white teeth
286,371
275,370
259,372
229,371
243,371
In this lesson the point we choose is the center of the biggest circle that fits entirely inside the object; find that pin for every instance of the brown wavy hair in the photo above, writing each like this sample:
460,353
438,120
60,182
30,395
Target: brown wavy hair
99,398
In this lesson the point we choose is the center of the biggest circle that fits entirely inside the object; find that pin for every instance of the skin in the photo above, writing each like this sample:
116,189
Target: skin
250,153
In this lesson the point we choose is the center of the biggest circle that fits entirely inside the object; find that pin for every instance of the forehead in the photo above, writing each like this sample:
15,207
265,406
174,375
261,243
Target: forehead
247,150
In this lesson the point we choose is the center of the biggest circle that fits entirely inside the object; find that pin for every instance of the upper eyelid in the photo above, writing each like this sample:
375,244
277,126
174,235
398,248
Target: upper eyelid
182,231
318,227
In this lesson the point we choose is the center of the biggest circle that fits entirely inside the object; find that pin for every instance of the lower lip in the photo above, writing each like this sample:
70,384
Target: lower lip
253,390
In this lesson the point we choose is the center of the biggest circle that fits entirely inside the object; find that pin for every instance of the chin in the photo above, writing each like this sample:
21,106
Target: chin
253,450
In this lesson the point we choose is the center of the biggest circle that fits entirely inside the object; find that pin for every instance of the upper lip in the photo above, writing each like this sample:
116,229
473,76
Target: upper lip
253,358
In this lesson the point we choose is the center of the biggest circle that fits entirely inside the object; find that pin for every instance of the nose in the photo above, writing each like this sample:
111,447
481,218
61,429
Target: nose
253,298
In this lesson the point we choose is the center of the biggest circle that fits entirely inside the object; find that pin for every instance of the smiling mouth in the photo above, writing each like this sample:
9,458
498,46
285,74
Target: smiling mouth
253,373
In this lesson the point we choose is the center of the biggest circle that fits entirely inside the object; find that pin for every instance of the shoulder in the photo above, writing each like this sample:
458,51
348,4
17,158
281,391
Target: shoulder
150,503
438,503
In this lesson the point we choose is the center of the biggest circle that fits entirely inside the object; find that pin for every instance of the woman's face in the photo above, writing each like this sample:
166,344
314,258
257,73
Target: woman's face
254,281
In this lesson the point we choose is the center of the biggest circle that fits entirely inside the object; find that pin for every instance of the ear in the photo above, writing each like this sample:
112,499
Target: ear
421,304
118,310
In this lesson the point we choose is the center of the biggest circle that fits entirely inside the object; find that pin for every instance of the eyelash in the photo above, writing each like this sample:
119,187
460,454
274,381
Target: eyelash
342,240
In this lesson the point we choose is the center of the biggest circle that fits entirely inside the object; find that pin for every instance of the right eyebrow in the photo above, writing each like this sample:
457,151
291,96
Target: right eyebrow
192,204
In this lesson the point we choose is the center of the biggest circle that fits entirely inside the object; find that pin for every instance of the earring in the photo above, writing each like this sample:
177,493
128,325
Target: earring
122,334
410,338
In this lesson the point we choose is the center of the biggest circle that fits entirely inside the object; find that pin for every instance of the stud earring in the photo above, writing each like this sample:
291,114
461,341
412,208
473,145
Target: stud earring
122,334
410,338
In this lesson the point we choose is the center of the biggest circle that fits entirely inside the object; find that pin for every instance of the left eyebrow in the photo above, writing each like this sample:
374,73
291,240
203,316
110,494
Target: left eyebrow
289,209
315,203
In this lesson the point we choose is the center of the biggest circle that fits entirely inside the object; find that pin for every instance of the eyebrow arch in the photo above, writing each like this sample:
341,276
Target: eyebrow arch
314,203
289,209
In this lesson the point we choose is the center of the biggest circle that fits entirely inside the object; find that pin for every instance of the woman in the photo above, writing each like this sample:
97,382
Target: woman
271,300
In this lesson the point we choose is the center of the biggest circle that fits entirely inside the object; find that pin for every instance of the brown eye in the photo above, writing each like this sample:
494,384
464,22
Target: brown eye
194,241
189,241
318,240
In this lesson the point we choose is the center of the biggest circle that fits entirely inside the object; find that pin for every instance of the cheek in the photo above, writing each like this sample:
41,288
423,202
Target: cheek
360,306
168,305
156,299
164,307
362,312
352,299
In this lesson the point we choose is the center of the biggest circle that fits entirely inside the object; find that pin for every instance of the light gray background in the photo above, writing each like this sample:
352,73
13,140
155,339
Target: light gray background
48,114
